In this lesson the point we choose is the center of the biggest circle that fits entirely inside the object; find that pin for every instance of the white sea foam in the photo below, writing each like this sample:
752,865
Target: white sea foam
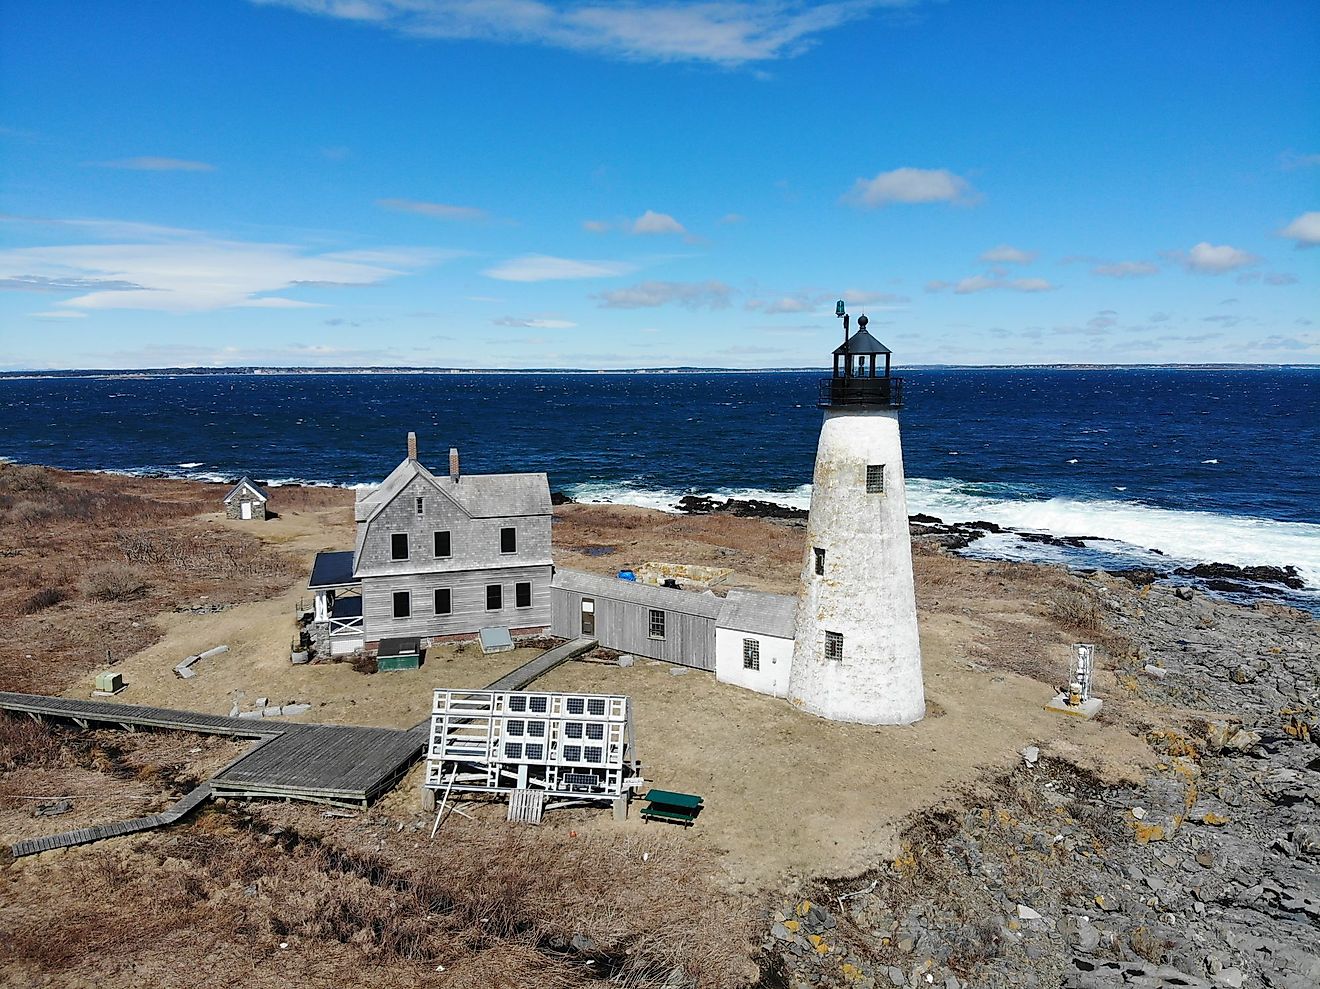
190,466
1182,536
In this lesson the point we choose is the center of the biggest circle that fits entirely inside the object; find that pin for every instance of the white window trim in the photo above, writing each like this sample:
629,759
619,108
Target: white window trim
436,591
421,505
407,548
488,587
394,595
450,554
755,660
509,552
530,594
650,624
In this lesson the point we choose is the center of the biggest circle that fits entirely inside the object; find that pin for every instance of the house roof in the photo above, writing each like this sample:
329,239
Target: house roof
245,482
332,570
482,496
764,614
704,604
862,342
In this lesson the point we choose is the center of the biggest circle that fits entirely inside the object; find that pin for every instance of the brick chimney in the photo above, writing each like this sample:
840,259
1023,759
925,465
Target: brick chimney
453,464
412,446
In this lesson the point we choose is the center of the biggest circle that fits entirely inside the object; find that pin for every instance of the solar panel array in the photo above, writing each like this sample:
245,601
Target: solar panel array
572,745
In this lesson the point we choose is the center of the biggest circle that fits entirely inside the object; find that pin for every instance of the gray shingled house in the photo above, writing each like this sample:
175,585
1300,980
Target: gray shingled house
441,556
246,501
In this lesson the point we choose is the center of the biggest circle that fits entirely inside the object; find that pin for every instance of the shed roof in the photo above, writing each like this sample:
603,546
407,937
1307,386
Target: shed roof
862,342
764,614
245,481
332,570
482,496
704,604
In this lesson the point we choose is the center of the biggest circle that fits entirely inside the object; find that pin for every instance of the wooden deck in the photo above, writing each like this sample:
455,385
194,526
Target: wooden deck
543,664
323,763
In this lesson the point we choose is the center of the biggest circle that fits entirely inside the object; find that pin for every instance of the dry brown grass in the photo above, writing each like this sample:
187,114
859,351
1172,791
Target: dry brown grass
494,904
91,558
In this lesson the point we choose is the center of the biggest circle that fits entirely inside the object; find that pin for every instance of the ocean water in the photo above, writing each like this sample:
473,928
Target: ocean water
1200,465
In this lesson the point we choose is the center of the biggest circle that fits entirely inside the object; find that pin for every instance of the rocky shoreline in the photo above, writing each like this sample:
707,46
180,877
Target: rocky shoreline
1207,875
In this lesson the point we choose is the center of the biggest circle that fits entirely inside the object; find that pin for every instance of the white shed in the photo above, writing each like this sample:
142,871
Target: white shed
754,641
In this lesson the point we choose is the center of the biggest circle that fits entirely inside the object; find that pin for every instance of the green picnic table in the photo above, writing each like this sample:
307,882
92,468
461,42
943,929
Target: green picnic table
667,805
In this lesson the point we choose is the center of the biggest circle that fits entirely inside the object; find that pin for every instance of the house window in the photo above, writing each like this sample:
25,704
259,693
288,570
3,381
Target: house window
820,561
420,504
834,646
443,546
444,601
399,546
875,478
522,594
402,604
751,654
494,597
509,540
657,624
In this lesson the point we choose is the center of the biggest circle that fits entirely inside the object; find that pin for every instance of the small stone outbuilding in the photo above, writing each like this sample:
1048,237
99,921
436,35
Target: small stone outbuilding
246,501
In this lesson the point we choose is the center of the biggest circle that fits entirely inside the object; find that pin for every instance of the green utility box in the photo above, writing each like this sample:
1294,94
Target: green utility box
398,654
109,683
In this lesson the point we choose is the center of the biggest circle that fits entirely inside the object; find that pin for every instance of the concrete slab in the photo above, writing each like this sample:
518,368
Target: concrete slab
1086,710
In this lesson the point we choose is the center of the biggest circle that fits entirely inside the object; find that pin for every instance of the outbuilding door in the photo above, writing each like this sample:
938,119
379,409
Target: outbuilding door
245,510
588,616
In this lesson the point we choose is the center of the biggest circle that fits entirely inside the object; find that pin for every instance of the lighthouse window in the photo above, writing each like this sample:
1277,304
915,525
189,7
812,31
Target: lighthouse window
820,561
834,646
875,478
657,624
751,654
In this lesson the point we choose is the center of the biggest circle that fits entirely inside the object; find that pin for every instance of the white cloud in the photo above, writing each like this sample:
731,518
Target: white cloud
910,185
1007,254
60,314
596,226
1291,160
1305,230
1280,278
437,211
1211,259
986,283
193,272
800,302
728,32
535,323
652,222
731,218
690,295
1125,269
153,164
1030,285
544,268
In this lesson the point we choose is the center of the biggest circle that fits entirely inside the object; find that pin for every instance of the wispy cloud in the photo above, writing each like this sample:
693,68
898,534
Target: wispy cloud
1211,259
728,32
800,302
1304,231
1125,269
59,314
690,295
194,272
911,185
1008,254
436,211
1291,160
534,323
652,222
154,164
545,268
986,283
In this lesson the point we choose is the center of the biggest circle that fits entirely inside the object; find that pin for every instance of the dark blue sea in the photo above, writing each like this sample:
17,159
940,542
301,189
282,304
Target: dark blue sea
1201,465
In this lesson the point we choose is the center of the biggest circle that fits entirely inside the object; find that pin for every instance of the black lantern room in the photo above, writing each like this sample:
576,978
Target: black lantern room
857,380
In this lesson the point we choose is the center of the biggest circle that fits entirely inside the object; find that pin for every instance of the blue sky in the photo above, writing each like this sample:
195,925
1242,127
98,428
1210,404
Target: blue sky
515,183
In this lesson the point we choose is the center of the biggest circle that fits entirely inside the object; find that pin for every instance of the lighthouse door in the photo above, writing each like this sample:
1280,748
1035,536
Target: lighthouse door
588,616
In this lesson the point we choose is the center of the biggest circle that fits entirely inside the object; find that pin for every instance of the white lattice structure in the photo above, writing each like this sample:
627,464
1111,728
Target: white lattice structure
572,746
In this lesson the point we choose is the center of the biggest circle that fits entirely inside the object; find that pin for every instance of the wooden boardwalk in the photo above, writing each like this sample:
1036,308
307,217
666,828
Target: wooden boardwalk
334,764
84,836
86,713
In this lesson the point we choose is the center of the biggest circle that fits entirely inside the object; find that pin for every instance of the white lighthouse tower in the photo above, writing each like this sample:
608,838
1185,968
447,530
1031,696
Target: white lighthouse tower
856,655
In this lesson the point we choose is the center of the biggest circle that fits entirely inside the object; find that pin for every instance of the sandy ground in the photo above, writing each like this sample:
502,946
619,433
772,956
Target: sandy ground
785,792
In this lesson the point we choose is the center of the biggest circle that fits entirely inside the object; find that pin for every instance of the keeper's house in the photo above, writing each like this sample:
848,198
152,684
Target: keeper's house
438,557
246,501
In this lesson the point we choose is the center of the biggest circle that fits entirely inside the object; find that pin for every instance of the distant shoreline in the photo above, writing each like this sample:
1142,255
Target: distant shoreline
255,371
